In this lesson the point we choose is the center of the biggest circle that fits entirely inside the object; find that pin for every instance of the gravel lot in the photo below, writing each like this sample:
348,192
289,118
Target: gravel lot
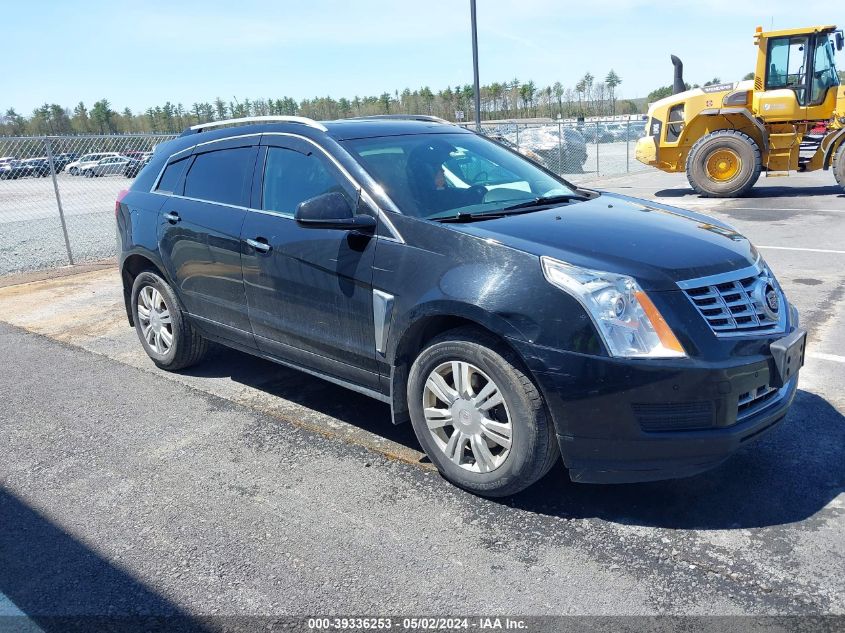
243,488
31,235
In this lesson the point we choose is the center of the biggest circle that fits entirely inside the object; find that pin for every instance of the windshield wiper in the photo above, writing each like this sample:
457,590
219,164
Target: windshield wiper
542,201
470,217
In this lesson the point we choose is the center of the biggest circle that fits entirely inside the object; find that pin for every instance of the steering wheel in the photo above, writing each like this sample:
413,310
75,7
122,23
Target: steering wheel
478,192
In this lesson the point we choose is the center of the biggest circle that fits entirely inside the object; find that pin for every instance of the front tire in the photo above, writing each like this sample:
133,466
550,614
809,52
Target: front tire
478,416
839,165
724,164
168,337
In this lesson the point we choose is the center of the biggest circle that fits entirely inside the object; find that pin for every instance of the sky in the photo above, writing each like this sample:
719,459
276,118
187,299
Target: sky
141,54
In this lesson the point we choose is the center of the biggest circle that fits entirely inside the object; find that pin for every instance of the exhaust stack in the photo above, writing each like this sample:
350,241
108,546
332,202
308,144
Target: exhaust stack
678,85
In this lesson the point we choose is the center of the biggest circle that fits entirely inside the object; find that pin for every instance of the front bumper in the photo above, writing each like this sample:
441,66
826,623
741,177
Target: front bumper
621,421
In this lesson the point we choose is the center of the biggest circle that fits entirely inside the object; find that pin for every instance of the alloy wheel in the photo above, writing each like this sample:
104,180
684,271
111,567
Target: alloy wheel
467,416
154,317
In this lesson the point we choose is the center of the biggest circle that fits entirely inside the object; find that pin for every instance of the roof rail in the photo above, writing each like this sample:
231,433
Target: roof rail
196,129
406,117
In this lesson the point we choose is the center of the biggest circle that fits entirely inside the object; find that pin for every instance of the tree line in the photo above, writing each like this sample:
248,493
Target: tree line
499,100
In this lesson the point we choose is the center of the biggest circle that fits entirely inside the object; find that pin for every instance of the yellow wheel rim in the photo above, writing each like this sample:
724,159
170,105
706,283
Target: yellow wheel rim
723,165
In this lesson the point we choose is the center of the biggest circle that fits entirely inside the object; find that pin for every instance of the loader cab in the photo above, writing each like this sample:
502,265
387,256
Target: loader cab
796,74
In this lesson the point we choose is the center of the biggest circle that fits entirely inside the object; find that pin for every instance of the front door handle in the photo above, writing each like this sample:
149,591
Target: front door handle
260,244
172,217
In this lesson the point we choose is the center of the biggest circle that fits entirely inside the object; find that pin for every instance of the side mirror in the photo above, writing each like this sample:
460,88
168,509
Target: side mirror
840,40
332,211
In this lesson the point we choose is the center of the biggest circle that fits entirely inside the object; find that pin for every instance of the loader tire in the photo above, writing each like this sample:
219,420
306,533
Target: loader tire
724,164
839,165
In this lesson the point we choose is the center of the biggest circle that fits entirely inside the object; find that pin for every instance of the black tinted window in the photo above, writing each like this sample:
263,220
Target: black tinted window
221,176
291,177
171,175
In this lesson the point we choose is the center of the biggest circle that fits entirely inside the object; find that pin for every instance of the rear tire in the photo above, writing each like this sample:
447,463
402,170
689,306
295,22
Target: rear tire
839,165
724,164
168,337
492,450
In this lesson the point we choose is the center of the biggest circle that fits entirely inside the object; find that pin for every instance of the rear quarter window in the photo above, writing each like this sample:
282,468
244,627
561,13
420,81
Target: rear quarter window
171,176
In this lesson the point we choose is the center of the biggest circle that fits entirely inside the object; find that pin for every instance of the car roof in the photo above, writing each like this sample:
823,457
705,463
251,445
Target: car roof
338,130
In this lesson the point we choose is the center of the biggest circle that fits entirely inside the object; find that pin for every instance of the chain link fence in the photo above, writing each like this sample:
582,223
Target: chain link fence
578,150
57,193
57,196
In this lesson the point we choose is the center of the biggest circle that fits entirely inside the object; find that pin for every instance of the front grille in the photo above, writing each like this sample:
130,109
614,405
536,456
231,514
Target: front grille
734,304
752,401
677,416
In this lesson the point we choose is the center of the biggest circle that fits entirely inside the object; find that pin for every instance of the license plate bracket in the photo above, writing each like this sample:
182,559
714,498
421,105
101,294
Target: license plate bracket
788,354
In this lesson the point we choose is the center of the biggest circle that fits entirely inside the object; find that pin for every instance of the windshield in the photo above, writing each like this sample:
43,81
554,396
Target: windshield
440,175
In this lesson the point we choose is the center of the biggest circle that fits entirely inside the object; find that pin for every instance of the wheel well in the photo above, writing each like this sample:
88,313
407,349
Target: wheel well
704,125
133,266
415,338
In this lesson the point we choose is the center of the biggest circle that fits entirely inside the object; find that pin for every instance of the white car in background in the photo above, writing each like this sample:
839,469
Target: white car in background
108,166
86,161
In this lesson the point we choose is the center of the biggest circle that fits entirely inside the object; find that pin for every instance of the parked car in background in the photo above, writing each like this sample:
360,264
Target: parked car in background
528,153
132,169
561,149
60,161
14,169
39,166
108,166
77,167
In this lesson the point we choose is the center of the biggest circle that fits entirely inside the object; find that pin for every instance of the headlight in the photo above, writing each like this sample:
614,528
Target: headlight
627,320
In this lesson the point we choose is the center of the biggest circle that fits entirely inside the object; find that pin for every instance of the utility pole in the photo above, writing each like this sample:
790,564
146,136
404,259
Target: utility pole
475,66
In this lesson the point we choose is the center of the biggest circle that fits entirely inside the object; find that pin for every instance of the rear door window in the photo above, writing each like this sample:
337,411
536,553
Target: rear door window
221,176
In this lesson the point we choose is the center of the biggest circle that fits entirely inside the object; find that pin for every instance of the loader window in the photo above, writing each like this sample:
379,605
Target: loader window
788,66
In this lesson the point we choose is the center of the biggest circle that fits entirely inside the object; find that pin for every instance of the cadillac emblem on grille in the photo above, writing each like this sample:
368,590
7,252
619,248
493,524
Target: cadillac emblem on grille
772,299
766,295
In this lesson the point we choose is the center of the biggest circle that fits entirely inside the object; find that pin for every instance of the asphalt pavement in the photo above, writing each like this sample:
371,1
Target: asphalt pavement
243,488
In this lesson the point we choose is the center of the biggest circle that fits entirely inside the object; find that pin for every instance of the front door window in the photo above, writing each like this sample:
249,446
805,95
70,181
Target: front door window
788,66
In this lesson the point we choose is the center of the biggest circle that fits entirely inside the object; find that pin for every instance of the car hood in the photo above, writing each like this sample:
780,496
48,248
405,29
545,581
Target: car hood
655,243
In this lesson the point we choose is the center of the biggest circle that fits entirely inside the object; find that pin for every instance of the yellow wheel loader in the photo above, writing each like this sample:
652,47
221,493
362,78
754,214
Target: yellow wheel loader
790,117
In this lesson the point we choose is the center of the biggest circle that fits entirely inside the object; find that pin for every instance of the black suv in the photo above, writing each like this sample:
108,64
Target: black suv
509,315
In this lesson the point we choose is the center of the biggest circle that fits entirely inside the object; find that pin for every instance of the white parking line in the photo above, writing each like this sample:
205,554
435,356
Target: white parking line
831,357
805,210
806,250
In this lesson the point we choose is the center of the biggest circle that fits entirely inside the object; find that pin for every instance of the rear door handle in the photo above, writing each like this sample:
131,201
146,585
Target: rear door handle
260,244
172,217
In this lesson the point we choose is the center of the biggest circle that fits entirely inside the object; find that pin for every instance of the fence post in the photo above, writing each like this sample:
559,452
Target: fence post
627,147
58,197
517,136
597,148
560,169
